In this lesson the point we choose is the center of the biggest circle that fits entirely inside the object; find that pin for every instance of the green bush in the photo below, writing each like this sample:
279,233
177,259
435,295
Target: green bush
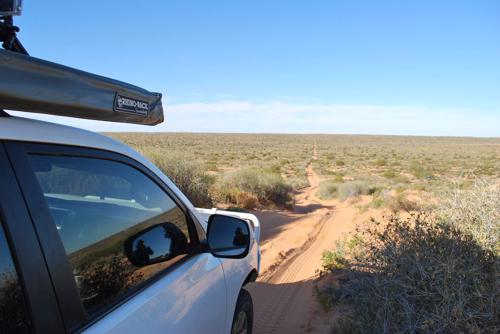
333,260
419,171
353,189
266,186
417,276
378,202
339,178
380,162
327,190
191,178
389,174
298,182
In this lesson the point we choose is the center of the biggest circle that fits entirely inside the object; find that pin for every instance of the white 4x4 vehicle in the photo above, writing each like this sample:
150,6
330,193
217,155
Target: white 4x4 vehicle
96,239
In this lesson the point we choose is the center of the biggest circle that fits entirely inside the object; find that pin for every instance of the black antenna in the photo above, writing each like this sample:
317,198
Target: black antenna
8,35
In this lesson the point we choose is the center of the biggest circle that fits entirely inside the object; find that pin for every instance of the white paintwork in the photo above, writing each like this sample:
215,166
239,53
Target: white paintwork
235,269
197,297
191,299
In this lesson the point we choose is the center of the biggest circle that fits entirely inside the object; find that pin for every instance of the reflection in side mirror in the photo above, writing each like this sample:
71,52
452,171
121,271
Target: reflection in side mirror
228,237
155,244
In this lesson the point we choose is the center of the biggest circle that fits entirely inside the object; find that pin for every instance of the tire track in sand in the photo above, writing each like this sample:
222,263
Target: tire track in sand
284,300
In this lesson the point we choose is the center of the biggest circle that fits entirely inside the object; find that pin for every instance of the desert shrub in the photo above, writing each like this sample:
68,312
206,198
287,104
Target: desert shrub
339,178
415,275
327,190
400,188
340,163
402,203
266,186
191,178
378,202
398,178
354,188
419,171
389,174
475,210
298,182
380,162
419,186
333,260
246,200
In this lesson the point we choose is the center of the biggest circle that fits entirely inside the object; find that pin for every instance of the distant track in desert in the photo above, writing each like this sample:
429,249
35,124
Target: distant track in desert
284,295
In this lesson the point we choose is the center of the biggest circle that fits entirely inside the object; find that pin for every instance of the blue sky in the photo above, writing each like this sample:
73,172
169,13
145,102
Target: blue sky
375,67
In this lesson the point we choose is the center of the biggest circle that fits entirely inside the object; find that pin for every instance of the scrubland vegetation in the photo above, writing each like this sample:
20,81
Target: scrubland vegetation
430,265
246,171
433,271
210,168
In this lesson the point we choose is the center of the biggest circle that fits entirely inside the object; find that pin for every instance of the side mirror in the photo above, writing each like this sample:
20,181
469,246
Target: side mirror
228,237
155,244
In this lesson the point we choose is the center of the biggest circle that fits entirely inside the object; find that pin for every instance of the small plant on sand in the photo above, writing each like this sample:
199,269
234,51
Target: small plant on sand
380,162
333,260
389,174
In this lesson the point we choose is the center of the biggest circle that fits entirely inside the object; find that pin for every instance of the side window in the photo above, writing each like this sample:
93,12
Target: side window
14,317
118,227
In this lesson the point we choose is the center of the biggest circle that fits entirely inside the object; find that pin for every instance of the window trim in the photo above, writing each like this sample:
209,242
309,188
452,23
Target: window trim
32,271
76,318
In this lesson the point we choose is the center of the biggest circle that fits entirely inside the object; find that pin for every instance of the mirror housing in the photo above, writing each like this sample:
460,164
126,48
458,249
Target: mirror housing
228,237
155,244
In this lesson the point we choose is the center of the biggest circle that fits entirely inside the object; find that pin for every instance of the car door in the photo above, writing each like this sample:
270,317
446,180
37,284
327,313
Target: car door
86,206
27,300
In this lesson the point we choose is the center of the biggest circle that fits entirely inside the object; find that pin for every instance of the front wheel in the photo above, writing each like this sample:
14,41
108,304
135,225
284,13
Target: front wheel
243,314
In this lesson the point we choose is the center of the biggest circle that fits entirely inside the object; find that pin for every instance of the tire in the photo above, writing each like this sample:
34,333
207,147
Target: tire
243,314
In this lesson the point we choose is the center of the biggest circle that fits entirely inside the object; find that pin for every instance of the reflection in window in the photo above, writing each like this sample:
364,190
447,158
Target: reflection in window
97,205
13,312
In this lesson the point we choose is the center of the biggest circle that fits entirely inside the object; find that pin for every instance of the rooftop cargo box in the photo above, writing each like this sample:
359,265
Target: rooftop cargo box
35,85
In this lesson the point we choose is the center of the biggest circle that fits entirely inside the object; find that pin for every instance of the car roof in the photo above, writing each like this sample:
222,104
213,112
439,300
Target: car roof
35,131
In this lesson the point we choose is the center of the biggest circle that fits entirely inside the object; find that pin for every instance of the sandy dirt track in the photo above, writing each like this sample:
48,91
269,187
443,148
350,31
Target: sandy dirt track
292,245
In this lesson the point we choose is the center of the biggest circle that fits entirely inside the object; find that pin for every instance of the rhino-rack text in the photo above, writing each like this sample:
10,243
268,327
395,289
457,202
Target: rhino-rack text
127,104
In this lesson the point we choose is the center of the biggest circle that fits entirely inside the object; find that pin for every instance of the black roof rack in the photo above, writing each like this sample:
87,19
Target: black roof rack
35,85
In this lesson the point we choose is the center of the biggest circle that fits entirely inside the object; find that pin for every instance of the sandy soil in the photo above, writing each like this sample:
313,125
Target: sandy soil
292,245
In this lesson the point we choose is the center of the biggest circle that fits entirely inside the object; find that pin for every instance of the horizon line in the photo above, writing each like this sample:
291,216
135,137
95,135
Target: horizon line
297,133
